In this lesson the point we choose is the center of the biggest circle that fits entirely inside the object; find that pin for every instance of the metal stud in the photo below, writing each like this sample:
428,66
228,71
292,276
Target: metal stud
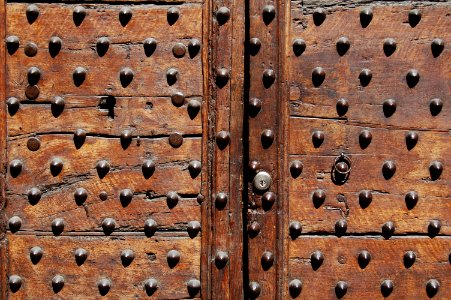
268,13
435,169
299,46
171,76
193,108
389,107
342,107
104,286
387,287
254,289
32,92
127,257
340,227
80,256
363,259
150,227
79,76
125,196
434,228
80,196
78,15
318,198
33,144
33,75
254,166
295,229
222,15
15,167
267,138
193,287
36,254
108,225
221,259
340,289
411,139
267,260
319,15
172,198
57,106
343,45
193,47
14,282
389,46
388,169
316,259
411,199
126,138
432,287
150,45
437,47
366,15
365,138
151,286
173,258
412,78
55,44
409,258
102,46
58,226
32,13
317,138
222,139
13,105
269,76
388,229
365,198
173,15
103,195
57,283
222,77
126,77
414,17
435,106
175,140
365,77
255,106
221,200
125,15
254,46
194,168
179,50
295,288
31,49
12,44
34,195
103,167
148,168
253,229
296,168
193,228
268,200
318,76
14,224
56,166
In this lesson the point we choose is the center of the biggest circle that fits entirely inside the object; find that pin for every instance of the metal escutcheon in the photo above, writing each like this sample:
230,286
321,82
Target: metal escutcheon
262,181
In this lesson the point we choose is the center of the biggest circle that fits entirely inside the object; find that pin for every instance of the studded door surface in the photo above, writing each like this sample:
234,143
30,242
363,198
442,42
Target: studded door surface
354,134
107,154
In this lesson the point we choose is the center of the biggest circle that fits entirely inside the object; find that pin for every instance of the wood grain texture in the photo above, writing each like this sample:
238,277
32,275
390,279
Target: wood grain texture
103,261
340,263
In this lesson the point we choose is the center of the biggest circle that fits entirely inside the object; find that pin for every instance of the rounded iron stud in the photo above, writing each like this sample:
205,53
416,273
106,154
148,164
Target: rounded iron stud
126,138
435,106
295,229
299,47
12,44
125,15
222,139
388,169
412,78
435,169
103,195
363,259
268,13
316,259
175,140
36,254
30,49
432,287
148,168
193,108
33,75
319,15
340,289
33,144
343,45
221,200
434,228
222,77
126,77
171,76
437,47
173,258
150,227
200,199
193,286
193,47
34,195
411,139
80,256
13,105
108,226
414,17
125,197
254,166
342,107
388,229
127,257
365,77
15,167
57,106
255,106
365,198
151,286
365,138
222,15
254,46
103,167
317,138
267,260
79,76
32,13
150,45
178,99
409,258
387,287
14,224
172,199
32,92
296,168
254,290
411,199
104,286
389,46
318,198
78,15
14,282
295,288
57,283
56,166
268,200
253,229
194,167
221,259
340,227
193,228
80,196
318,76
267,138
179,50
366,15
55,44
389,107
79,138
173,15
58,226
269,76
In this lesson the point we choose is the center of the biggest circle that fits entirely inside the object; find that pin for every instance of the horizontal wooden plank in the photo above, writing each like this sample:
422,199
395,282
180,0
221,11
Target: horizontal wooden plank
340,264
103,261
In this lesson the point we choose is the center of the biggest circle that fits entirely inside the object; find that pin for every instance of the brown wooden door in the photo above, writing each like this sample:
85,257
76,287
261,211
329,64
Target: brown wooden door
225,150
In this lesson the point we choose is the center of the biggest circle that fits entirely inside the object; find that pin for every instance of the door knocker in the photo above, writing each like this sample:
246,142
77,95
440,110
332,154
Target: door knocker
341,169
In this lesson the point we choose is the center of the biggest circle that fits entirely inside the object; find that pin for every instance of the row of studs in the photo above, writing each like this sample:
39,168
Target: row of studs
104,285
79,13
108,226
102,46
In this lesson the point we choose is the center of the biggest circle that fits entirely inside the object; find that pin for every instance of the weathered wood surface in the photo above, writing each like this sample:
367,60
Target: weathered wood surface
341,264
103,261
